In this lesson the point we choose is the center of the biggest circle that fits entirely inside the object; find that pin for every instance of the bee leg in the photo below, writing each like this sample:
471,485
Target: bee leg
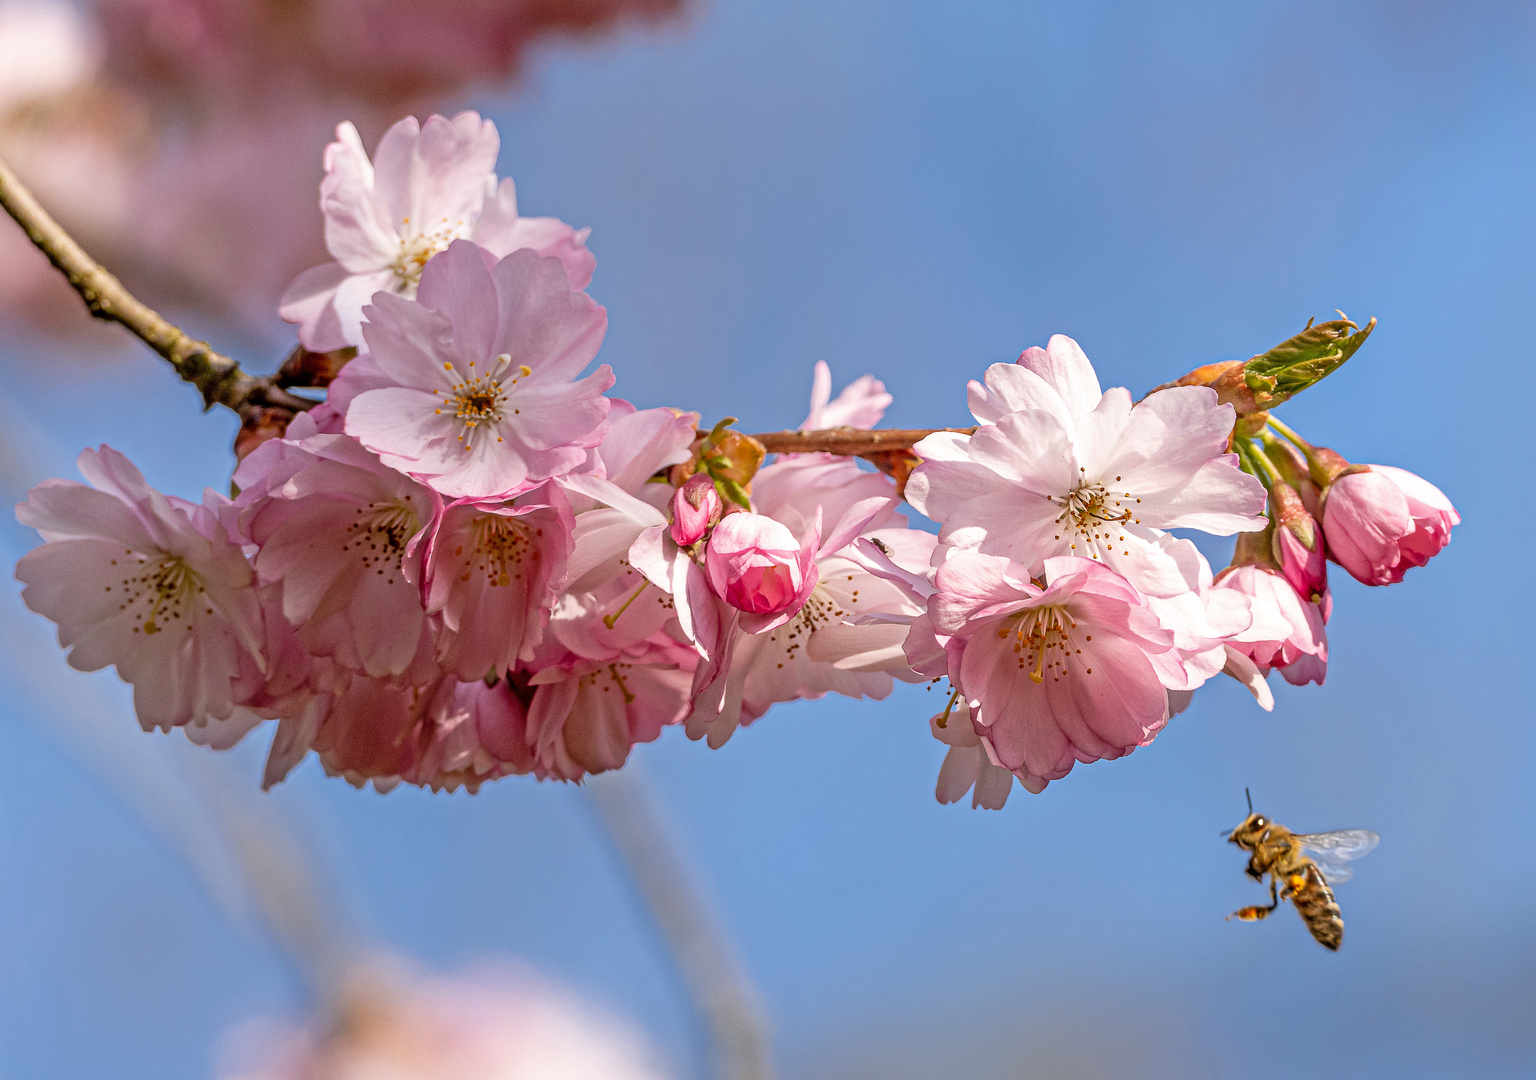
1257,912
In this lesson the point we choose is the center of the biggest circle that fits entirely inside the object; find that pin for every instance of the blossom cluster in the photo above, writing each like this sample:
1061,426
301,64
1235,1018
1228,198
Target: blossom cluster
470,561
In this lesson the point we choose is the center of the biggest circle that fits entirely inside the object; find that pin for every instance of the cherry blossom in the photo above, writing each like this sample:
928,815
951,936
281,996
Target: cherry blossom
1287,630
485,401
860,404
610,678
1383,521
968,769
342,533
468,562
1059,468
152,586
835,642
492,571
1299,546
428,185
1076,671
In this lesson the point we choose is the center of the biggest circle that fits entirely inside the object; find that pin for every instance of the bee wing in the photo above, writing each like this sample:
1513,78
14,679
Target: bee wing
1333,850
1335,873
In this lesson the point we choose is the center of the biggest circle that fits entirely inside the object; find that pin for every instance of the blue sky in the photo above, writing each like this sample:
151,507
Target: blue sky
919,190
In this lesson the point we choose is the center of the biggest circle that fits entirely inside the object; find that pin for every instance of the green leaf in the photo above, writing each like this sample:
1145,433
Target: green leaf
1298,362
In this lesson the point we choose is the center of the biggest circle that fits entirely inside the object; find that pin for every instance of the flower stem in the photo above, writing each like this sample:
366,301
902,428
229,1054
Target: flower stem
1260,464
1279,426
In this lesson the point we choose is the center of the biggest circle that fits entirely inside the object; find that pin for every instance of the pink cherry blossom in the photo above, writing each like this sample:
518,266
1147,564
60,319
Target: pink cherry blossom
696,508
611,513
486,402
640,443
1204,619
1072,672
585,717
444,734
1382,522
861,404
491,574
610,678
480,735
967,768
429,185
342,533
148,584
1059,468
846,638
1287,630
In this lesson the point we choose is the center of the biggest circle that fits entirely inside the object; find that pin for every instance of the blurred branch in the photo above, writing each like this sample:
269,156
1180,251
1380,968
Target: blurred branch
721,994
215,375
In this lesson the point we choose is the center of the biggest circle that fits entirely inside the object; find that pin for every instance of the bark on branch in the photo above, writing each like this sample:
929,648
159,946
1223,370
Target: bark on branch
217,377
849,442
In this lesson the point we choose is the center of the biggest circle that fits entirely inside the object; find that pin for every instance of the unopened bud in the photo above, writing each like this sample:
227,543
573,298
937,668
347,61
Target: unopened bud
1298,543
1326,466
755,564
696,508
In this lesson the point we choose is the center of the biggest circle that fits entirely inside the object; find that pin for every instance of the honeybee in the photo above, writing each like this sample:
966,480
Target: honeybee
1302,868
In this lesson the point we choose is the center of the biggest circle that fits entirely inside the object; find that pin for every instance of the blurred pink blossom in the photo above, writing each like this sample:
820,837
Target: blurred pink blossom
177,139
495,1024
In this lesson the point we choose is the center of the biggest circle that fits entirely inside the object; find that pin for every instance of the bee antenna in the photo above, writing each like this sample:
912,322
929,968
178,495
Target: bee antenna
1250,799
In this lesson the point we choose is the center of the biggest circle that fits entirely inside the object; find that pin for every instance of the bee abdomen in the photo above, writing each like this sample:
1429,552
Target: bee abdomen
1315,903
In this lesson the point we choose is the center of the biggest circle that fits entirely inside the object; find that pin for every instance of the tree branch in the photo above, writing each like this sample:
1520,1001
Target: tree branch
847,441
215,375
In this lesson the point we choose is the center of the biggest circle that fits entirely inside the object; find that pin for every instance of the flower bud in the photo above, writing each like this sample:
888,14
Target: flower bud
1380,522
756,565
1298,543
695,508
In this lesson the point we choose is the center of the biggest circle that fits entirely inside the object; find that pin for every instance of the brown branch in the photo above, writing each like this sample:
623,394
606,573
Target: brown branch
847,441
215,375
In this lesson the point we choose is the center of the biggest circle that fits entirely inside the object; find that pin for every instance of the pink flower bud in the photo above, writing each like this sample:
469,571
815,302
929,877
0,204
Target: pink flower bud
1381,521
1298,543
695,507
757,566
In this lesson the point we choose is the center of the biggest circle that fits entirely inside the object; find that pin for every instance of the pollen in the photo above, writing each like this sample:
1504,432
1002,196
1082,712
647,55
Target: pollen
162,596
1089,511
1042,641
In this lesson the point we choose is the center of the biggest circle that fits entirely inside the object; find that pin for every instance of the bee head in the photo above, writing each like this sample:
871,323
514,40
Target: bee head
1246,835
